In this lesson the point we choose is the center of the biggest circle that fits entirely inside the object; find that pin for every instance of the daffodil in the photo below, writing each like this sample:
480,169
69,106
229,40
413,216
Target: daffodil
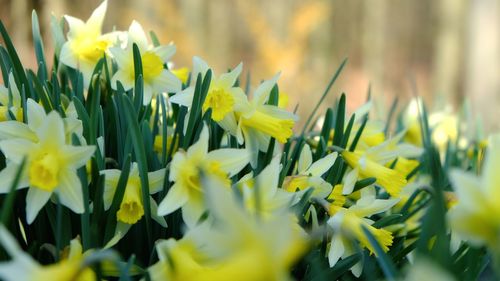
131,208
23,267
258,122
371,163
10,100
223,97
181,73
262,195
309,174
348,223
156,78
475,216
237,246
50,168
86,44
187,192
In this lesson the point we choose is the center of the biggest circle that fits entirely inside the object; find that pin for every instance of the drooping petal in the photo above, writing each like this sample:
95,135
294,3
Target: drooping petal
35,200
349,181
176,197
111,178
336,249
154,213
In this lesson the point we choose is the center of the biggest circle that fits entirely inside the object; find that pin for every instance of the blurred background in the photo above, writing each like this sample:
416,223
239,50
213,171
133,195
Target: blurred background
443,50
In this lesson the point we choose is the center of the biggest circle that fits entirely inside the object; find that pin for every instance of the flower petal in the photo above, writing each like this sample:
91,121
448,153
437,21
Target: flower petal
176,197
75,157
231,160
70,191
305,159
35,200
16,149
15,129
156,180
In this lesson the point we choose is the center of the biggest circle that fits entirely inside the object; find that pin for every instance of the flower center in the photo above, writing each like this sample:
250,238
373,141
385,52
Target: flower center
152,66
44,172
90,48
280,129
220,101
191,176
131,209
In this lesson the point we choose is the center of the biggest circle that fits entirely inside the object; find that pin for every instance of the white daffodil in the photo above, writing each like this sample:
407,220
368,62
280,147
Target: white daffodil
23,267
309,174
10,100
259,122
187,192
475,216
50,167
223,98
156,78
347,224
268,198
86,45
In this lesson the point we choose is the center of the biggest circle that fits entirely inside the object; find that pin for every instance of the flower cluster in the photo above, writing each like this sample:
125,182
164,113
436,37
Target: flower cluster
134,168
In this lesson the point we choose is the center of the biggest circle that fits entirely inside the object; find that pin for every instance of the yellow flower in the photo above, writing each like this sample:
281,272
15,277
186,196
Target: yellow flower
156,78
50,168
237,247
223,98
310,174
348,224
475,216
185,168
23,267
86,45
181,73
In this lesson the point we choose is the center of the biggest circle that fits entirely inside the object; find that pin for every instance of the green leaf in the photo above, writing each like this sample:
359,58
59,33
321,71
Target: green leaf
339,122
38,45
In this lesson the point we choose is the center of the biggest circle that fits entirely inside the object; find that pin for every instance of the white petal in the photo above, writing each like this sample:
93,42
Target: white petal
156,180
67,57
491,175
269,177
227,80
305,159
165,52
138,36
320,167
377,206
70,191
184,97
200,148
228,123
349,181
199,67
36,114
468,189
124,79
97,16
336,249
167,82
35,200
7,176
261,94
15,129
176,197
52,130
16,149
192,211
231,160
154,213
77,156
111,178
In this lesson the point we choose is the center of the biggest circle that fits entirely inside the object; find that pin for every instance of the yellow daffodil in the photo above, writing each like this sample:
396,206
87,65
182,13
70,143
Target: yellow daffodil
185,168
50,168
348,223
156,78
23,267
10,100
131,208
86,45
268,198
309,174
475,216
238,246
223,98
258,122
